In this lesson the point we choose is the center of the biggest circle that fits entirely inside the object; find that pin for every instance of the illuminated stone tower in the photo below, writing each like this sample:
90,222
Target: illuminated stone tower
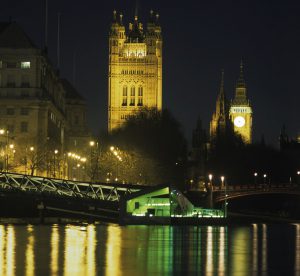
135,68
240,110
219,121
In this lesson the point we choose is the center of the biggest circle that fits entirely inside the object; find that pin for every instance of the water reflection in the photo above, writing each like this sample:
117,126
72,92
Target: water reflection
254,248
30,265
297,248
264,249
10,251
54,250
135,250
113,250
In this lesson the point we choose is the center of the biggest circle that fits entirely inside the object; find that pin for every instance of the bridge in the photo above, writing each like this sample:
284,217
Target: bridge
25,195
221,194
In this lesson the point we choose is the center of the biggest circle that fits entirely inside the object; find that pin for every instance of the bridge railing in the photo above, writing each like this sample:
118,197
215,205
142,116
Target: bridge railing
220,193
101,191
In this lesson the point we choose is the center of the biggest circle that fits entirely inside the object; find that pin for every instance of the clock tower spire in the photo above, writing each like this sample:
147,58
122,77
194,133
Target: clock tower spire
240,109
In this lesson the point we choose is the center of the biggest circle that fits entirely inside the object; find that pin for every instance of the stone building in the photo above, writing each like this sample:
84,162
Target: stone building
135,68
33,119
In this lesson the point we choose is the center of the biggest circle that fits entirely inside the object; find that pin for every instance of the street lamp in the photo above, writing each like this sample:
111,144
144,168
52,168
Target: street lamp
265,176
55,153
222,181
255,179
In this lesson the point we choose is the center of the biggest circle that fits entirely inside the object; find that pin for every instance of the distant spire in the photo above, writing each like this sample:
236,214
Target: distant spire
241,81
115,16
121,19
222,83
136,10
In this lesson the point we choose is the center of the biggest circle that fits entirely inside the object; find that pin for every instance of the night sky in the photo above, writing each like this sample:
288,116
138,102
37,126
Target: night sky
200,39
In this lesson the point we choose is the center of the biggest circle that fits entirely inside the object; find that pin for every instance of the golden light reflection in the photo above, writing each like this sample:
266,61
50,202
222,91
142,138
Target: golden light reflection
75,242
209,251
10,251
91,250
113,251
2,248
297,248
240,247
222,249
255,247
30,252
264,249
54,250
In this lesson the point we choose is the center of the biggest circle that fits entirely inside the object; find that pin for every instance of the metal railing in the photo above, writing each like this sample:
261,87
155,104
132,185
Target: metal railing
62,187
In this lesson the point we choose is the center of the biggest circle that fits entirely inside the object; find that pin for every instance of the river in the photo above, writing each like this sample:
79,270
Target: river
257,249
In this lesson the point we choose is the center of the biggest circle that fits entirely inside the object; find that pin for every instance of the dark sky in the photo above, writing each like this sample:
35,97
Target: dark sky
200,39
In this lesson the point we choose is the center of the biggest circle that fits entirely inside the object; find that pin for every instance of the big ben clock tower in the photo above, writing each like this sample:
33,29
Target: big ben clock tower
240,110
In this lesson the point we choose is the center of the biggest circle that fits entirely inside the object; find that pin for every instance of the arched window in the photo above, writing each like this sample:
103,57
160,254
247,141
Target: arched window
132,96
124,98
140,96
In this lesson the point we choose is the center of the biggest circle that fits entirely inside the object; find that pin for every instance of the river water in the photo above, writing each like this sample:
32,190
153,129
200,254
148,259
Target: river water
71,250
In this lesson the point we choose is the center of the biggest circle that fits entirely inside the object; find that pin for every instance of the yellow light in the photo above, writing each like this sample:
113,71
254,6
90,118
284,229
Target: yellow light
255,174
222,178
69,153
2,131
210,176
31,148
56,151
11,146
112,148
92,143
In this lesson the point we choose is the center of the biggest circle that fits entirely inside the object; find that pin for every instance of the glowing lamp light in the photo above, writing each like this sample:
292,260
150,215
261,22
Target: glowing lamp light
92,143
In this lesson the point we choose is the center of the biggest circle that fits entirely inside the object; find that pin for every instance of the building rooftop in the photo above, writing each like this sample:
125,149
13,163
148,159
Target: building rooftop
13,36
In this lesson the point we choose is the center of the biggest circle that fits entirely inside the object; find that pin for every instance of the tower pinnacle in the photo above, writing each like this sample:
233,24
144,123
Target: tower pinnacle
241,81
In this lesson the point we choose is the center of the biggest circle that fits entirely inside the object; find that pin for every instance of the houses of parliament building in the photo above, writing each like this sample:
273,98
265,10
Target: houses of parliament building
135,68
237,115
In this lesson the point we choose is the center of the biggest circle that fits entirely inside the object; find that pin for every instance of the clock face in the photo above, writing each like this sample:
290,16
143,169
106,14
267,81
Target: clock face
239,121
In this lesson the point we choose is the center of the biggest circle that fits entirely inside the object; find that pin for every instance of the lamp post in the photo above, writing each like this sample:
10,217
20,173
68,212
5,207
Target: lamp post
210,177
92,173
225,193
222,181
298,177
265,177
255,179
55,153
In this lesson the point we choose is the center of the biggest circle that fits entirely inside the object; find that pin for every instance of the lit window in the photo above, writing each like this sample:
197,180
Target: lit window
140,96
124,100
132,96
25,64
